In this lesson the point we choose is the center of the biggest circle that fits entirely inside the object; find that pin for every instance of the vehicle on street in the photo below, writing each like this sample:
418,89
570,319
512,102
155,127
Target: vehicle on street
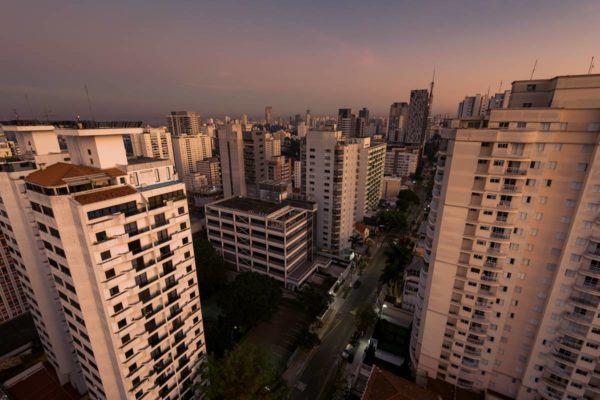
348,353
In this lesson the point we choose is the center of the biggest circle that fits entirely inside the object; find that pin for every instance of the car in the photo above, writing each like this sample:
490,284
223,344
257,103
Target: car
348,353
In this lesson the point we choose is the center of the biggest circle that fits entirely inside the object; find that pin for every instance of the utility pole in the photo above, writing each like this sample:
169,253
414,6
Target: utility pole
591,66
533,70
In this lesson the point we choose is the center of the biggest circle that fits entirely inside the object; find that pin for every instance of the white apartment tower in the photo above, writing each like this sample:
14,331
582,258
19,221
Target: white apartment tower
509,296
104,250
153,143
188,151
12,296
344,177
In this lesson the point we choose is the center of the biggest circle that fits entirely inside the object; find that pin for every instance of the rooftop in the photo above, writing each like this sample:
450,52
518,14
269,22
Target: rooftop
142,160
105,194
250,205
384,385
69,124
43,385
60,173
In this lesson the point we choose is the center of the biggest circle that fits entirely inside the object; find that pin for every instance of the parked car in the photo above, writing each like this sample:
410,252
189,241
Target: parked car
348,353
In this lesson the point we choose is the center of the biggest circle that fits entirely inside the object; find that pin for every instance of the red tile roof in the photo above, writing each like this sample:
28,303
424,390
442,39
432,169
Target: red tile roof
43,385
384,385
107,194
55,174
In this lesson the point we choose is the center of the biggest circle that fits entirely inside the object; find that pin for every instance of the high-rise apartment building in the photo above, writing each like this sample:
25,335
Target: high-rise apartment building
183,123
103,248
418,113
272,146
308,118
344,177
397,122
297,177
499,100
473,107
255,162
346,122
211,169
152,143
371,166
268,115
188,150
231,155
510,290
12,297
401,161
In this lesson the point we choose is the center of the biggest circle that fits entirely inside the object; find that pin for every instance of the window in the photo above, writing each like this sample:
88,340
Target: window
581,167
110,273
540,147
503,125
105,255
545,126
114,291
521,124
551,165
576,185
503,145
548,182
531,87
101,236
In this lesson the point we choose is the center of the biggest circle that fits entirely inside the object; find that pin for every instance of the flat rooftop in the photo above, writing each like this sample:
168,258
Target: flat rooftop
143,160
249,205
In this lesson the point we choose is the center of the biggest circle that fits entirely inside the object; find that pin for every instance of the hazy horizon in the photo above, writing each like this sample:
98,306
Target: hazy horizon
142,59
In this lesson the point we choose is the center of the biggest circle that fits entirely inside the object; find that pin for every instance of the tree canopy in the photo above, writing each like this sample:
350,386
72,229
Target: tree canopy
398,257
365,317
314,299
392,220
210,267
249,299
247,372
407,197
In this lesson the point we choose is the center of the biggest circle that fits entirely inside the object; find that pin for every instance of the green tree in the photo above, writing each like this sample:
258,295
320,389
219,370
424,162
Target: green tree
314,299
307,339
393,220
210,267
248,372
398,257
365,317
249,299
407,197
355,240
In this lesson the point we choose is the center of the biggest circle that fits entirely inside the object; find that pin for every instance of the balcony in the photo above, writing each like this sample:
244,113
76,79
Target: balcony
515,171
510,188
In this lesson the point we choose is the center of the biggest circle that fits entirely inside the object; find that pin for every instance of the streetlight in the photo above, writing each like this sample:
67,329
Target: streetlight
381,309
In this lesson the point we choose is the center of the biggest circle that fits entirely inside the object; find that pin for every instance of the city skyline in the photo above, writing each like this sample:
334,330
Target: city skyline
233,58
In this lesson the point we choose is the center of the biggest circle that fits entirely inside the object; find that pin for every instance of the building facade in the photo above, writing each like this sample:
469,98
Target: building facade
346,122
401,161
189,150
231,155
371,165
275,239
152,143
418,113
105,254
183,123
12,296
510,291
397,122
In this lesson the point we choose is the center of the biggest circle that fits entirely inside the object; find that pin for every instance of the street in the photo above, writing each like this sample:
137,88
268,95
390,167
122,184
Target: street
321,367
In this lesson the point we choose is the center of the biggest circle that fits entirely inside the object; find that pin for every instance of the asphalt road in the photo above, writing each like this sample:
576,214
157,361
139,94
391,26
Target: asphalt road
320,369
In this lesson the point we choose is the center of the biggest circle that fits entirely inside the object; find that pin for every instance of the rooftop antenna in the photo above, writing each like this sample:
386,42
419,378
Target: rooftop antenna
29,106
500,87
591,66
16,113
488,91
533,70
87,94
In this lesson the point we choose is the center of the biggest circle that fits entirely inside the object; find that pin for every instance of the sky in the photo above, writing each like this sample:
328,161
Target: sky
141,59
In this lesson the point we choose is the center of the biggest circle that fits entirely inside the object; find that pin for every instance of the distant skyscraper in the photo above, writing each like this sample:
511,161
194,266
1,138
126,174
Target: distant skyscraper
183,123
499,100
308,119
397,122
268,115
231,153
188,151
472,107
244,119
153,143
346,121
361,127
418,111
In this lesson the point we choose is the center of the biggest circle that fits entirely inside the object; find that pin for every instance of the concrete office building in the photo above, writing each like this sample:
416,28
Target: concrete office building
183,123
12,297
275,239
231,154
418,113
397,122
401,161
211,169
297,177
103,248
152,143
362,126
255,161
509,295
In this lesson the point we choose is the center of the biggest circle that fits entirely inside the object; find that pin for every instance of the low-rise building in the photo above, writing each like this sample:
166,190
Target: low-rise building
275,239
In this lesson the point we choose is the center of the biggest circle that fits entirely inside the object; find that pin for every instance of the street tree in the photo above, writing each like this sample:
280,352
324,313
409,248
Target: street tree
393,220
365,317
307,339
406,197
355,240
314,299
398,257
247,372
